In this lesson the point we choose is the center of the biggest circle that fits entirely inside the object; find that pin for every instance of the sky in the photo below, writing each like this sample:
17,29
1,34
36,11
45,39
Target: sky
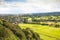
29,6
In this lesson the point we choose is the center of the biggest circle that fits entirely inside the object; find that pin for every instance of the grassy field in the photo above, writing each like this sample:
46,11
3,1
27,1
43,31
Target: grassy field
45,32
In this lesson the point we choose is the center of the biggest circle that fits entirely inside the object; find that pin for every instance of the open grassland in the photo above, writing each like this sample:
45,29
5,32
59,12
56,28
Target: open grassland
45,32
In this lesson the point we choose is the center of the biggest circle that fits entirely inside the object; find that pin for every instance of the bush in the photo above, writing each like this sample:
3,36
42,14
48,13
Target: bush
7,34
1,22
11,31
57,25
16,30
30,35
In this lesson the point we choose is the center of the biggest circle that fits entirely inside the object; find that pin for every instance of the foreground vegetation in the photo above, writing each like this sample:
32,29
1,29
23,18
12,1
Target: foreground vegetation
9,31
45,32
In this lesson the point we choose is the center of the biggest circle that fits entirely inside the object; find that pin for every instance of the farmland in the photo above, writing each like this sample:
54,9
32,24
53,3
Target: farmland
45,32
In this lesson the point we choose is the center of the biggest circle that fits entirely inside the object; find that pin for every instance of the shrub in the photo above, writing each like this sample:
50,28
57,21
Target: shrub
13,32
30,35
1,22
57,25
16,30
7,34
27,33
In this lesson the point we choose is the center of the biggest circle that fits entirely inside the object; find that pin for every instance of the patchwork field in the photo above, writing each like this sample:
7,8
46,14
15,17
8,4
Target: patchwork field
45,32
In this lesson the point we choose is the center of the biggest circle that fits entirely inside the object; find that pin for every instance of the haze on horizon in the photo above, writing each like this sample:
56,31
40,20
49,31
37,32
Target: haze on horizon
29,6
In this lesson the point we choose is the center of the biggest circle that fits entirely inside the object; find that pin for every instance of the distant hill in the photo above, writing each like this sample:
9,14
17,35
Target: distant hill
43,14
35,14
46,14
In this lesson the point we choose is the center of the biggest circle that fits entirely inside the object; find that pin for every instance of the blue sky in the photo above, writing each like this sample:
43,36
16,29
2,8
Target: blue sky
29,6
15,0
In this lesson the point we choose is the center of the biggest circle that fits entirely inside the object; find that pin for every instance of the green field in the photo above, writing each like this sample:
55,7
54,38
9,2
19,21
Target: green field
45,32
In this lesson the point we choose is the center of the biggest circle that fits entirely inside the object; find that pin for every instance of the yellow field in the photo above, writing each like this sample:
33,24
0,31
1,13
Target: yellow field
45,32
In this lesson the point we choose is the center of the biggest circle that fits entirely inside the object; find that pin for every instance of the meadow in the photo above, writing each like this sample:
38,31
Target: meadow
46,32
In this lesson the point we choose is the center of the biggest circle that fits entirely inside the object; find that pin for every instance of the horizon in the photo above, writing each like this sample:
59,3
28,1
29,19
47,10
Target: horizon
31,13
28,6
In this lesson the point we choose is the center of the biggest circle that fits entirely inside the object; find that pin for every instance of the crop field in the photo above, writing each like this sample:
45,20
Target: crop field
45,32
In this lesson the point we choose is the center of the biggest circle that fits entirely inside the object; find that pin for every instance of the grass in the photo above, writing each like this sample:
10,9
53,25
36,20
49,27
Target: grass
45,32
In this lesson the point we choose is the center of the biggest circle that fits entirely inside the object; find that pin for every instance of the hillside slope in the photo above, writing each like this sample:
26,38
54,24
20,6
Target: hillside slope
11,31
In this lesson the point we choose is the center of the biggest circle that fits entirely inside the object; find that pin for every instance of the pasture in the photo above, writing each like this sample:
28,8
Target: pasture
45,32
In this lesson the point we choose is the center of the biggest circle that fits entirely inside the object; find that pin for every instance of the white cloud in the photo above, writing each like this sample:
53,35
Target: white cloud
30,6
37,7
45,1
8,10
